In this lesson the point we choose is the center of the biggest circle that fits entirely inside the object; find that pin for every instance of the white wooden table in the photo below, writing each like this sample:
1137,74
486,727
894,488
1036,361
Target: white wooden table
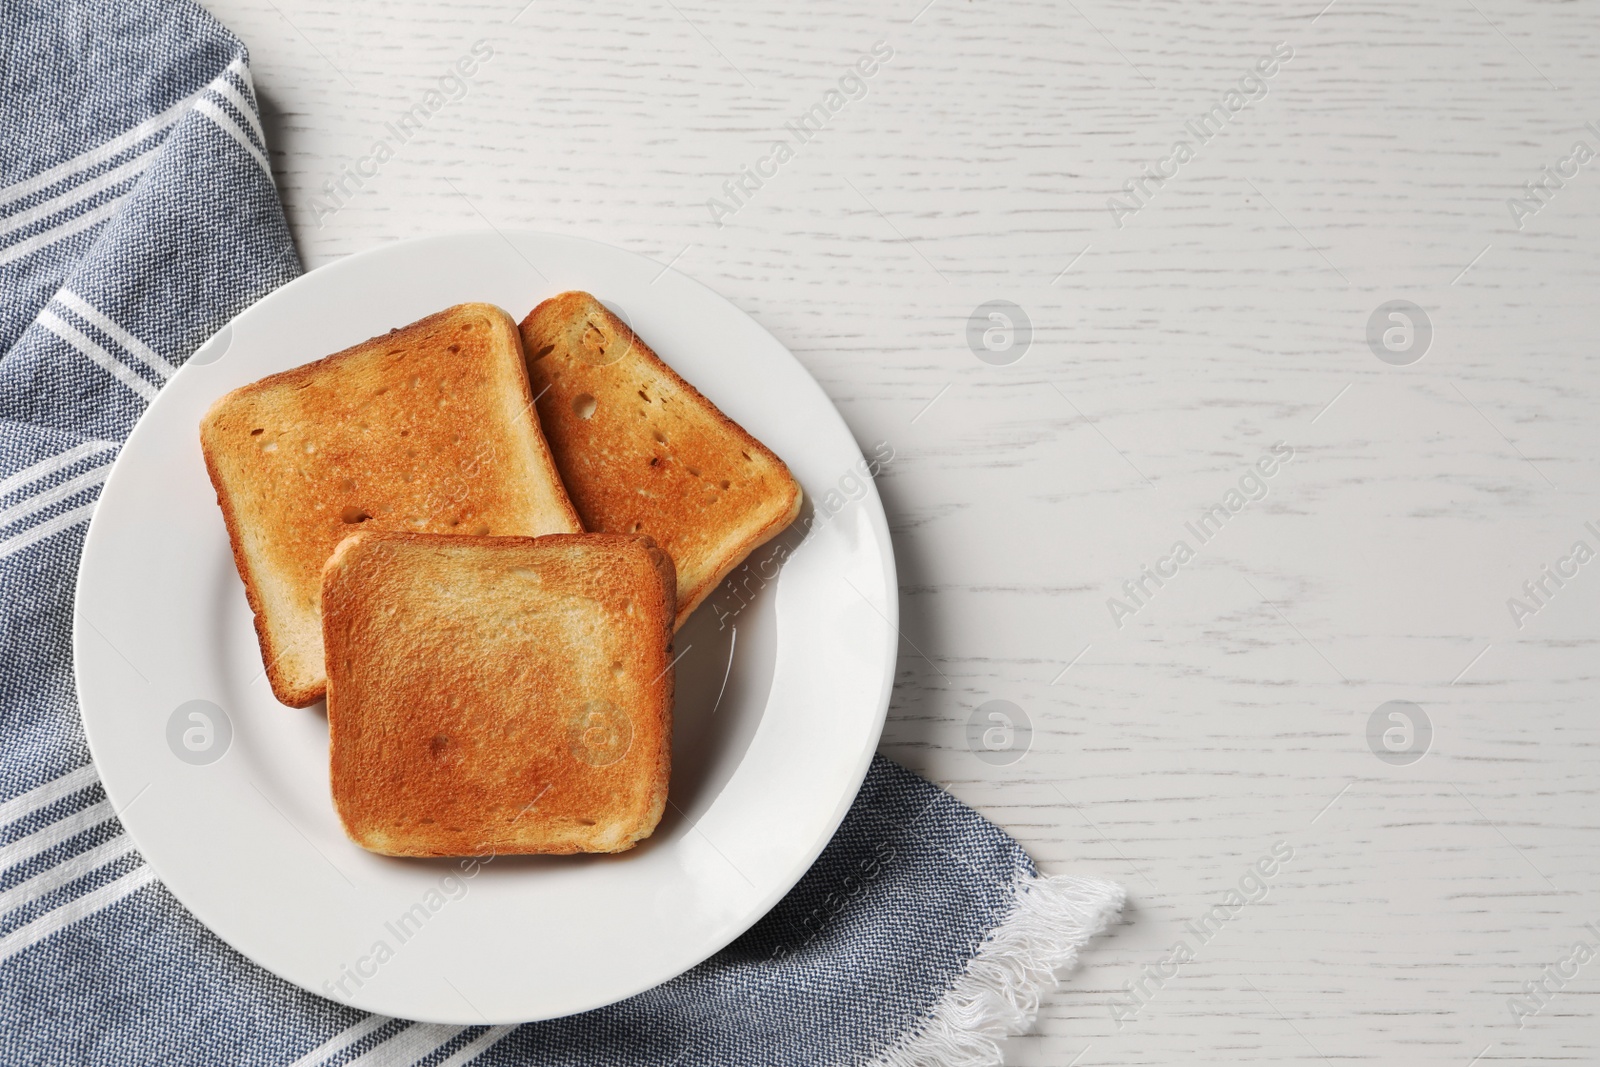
1175,341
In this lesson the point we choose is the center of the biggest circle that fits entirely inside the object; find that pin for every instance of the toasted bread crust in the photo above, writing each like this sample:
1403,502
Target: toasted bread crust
287,689
427,428
498,694
641,450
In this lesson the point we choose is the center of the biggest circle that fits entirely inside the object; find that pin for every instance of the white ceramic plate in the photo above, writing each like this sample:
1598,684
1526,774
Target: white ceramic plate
778,710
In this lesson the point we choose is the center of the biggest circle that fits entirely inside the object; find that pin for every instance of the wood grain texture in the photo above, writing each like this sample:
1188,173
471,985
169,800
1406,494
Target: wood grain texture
1168,355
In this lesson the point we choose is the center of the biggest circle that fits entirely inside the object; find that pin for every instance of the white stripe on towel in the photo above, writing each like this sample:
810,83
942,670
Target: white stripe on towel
51,791
97,184
95,156
25,848
54,495
226,89
231,128
71,912
105,360
408,1046
64,521
243,72
46,467
476,1047
341,1041
150,356
72,226
67,871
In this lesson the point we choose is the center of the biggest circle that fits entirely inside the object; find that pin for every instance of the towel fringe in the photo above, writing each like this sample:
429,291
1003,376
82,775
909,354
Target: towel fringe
998,993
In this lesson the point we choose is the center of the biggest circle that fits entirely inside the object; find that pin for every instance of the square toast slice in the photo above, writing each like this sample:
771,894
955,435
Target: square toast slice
641,451
429,428
498,694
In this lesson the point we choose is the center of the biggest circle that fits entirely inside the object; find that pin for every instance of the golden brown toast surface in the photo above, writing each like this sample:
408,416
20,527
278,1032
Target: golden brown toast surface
429,428
641,451
498,694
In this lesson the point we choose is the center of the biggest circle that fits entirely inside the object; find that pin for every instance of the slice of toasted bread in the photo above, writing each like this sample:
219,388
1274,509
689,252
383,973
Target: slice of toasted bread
498,694
429,428
641,451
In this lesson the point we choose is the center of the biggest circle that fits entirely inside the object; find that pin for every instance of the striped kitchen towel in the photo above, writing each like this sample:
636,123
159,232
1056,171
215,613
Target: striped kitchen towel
137,216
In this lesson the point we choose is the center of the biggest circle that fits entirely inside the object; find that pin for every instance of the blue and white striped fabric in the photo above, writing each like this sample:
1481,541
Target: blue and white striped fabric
137,215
